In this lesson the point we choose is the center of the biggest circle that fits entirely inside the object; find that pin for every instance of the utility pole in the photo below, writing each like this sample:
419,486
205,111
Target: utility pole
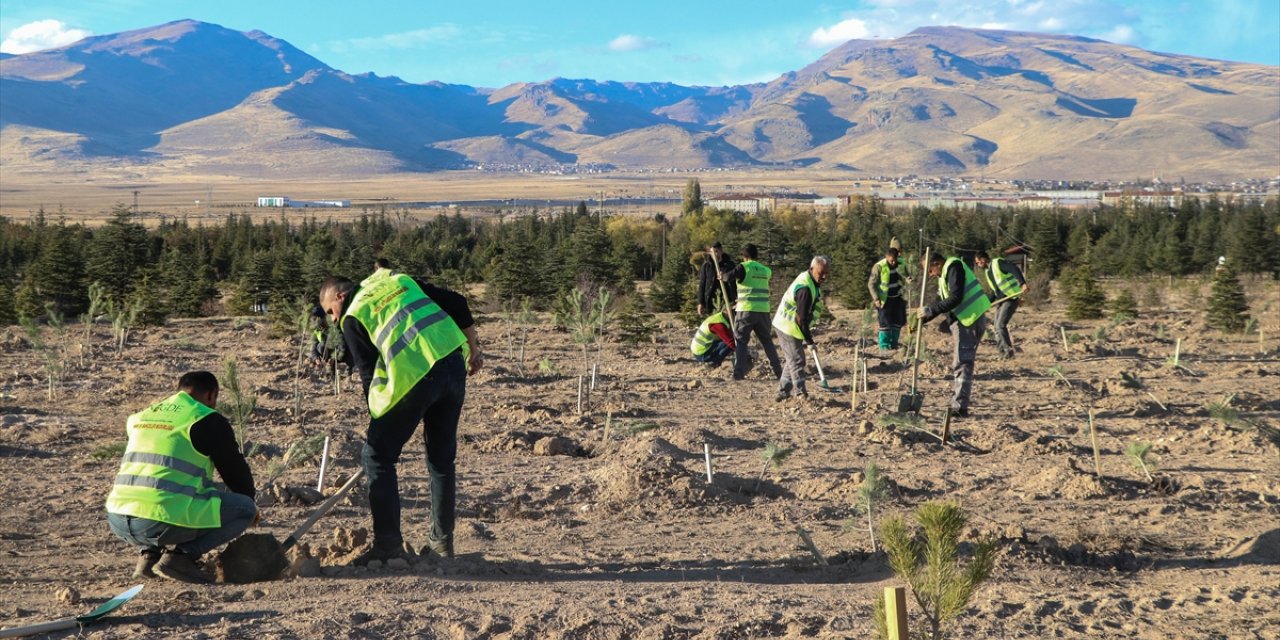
135,203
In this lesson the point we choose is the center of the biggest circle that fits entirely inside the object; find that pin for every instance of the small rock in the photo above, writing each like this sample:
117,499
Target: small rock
360,617
374,564
310,568
255,594
865,427
397,563
554,446
328,571
693,384
305,495
69,596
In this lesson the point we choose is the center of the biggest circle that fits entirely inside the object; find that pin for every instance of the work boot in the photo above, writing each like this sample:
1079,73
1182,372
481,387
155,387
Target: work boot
442,547
782,396
147,560
380,551
178,566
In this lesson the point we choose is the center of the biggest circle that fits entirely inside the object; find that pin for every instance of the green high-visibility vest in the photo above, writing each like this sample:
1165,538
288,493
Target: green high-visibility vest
162,477
1005,285
890,283
753,291
785,319
704,338
411,332
974,301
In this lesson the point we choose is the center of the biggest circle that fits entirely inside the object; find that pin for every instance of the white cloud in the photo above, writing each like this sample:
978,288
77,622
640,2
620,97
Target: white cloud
402,40
839,33
1122,33
629,42
39,35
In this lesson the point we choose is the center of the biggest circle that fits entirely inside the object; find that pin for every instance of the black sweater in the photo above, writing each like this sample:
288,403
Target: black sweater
213,436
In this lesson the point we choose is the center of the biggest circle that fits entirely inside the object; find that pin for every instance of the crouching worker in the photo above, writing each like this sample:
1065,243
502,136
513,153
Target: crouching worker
164,502
714,340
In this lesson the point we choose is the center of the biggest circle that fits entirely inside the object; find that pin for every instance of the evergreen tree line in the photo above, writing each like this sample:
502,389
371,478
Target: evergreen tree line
182,269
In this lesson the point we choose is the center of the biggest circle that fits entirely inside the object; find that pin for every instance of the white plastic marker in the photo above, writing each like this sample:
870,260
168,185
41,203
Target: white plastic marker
706,451
324,459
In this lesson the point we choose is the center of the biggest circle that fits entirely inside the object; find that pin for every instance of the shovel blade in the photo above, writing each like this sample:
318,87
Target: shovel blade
910,403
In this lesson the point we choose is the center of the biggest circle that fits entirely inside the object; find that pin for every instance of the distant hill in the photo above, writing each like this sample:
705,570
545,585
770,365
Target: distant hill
195,97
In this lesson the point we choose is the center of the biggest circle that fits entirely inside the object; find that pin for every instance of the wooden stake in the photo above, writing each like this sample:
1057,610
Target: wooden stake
946,427
1093,437
608,422
895,612
813,548
857,352
1177,352
593,377
1063,331
324,459
706,452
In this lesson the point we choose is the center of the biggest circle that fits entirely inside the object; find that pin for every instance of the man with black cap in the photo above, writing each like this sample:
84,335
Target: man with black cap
751,282
709,290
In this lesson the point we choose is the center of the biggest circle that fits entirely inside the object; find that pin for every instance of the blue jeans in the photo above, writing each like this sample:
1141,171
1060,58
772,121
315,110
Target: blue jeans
715,355
436,402
237,514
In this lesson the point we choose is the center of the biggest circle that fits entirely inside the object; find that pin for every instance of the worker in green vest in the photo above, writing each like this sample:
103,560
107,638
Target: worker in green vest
886,287
751,316
1007,286
163,500
793,322
713,341
963,301
414,345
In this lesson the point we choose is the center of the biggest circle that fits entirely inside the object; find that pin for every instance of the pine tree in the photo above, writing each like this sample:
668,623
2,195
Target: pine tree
692,200
117,252
1085,299
151,310
8,309
587,255
287,275
57,272
27,303
1124,307
1228,306
258,284
668,292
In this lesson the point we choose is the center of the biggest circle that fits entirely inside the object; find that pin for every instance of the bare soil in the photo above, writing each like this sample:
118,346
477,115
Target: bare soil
619,534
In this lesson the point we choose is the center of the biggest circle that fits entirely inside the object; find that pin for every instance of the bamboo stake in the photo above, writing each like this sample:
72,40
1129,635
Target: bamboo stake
1063,331
580,384
1093,437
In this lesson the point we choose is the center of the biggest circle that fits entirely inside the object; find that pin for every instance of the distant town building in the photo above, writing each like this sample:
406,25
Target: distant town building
1167,199
743,204
285,201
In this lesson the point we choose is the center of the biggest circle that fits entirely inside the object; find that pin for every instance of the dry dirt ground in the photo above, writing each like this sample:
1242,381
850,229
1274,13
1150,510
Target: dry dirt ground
621,536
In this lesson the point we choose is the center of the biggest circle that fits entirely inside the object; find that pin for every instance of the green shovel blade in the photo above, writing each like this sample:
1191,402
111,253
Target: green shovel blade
110,605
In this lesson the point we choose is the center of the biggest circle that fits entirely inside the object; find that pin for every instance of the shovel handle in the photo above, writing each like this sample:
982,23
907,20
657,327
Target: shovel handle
324,508
43,627
821,376
915,366
724,292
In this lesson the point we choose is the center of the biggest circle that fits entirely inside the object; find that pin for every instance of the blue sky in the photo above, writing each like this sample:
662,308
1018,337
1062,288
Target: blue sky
493,43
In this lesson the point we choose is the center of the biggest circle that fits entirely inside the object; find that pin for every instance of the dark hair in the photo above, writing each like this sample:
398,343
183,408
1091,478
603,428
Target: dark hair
201,382
893,251
750,251
382,263
717,245
336,284
937,258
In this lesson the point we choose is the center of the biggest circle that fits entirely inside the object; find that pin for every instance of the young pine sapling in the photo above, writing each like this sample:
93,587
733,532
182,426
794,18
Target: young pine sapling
1139,453
773,455
236,404
871,492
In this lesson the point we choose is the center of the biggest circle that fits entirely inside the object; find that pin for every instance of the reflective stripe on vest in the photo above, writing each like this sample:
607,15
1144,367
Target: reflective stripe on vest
704,338
974,301
890,283
785,318
410,331
753,291
162,476
1005,285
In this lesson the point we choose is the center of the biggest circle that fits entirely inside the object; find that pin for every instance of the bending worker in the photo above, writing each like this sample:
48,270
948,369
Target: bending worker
164,502
792,322
407,339
752,315
1007,285
713,342
886,289
962,299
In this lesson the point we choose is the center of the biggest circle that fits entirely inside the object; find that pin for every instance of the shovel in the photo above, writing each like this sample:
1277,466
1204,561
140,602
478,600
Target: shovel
259,557
912,402
822,377
71,623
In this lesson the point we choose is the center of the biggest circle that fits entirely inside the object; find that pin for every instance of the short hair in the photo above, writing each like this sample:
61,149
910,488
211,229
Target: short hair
937,258
893,251
717,245
750,251
819,260
201,382
382,263
334,285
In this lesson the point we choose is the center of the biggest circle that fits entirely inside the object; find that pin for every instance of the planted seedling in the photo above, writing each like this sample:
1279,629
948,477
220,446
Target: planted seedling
236,404
1139,453
1057,372
1132,381
773,455
871,492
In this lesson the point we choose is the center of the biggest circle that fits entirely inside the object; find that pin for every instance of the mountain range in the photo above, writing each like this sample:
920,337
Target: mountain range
193,97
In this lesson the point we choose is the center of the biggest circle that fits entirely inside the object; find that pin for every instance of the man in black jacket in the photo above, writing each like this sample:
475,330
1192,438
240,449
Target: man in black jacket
709,293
